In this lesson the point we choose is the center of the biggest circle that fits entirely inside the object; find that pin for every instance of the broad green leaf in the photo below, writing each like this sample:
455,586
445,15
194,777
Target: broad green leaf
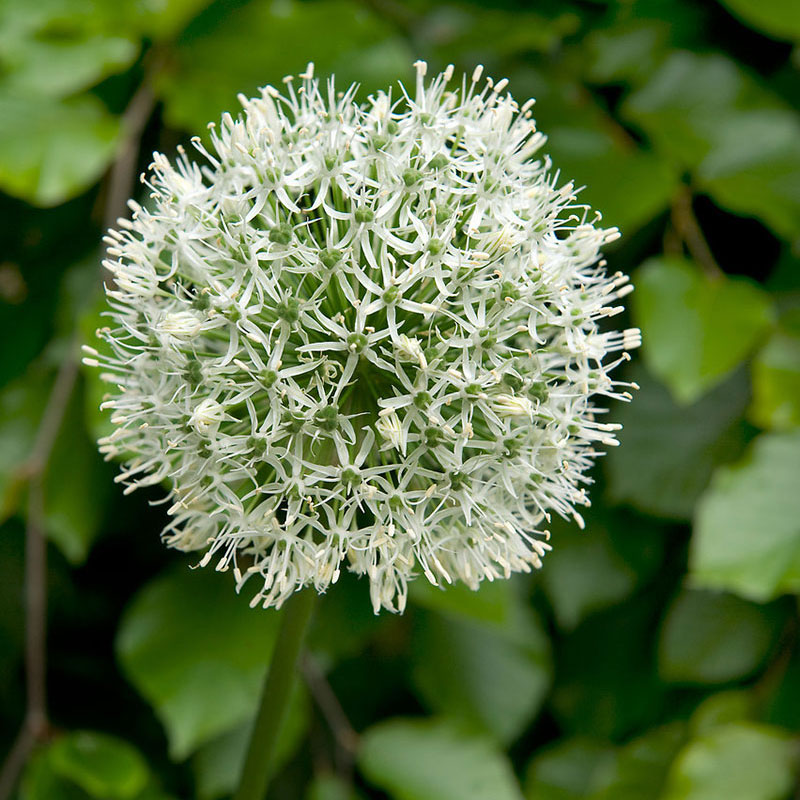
591,569
741,761
465,32
491,678
56,48
103,766
259,43
571,769
77,486
722,708
154,792
32,28
626,52
52,150
57,68
776,382
329,787
22,404
641,766
86,765
696,329
627,185
780,18
690,442
711,637
431,760
41,782
763,181
686,103
493,602
747,528
218,764
197,653
163,19
705,113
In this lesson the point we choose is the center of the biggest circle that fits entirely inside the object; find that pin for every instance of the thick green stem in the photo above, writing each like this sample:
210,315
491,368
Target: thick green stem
275,697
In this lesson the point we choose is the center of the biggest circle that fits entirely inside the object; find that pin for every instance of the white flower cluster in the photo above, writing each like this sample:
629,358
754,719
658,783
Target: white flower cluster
363,335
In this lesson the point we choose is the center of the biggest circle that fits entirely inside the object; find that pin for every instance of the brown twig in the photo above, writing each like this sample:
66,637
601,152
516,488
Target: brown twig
328,703
35,725
121,177
688,228
15,760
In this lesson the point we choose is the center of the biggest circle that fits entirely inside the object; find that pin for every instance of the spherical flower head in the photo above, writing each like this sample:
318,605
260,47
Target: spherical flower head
363,336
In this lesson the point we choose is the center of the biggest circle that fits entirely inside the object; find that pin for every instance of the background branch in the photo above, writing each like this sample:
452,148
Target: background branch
688,228
35,725
328,703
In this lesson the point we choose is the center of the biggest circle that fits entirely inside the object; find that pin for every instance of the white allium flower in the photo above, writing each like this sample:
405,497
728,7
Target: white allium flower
365,335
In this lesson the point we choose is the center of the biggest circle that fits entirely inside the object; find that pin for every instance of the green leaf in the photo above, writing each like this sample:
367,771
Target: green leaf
776,382
329,787
165,19
103,766
53,49
259,43
431,760
22,404
52,150
722,708
687,102
705,113
491,678
41,782
627,51
690,441
571,769
735,762
76,486
763,181
197,653
592,569
710,637
780,18
627,185
747,529
696,329
493,602
218,764
641,766
466,32
59,68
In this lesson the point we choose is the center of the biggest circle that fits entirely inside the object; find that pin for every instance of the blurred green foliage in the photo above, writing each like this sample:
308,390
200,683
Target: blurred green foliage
657,655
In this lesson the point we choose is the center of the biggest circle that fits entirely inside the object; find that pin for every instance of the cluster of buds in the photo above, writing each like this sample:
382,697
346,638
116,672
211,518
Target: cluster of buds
362,335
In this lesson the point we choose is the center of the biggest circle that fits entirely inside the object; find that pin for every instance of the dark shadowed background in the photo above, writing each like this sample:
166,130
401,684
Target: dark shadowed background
657,654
